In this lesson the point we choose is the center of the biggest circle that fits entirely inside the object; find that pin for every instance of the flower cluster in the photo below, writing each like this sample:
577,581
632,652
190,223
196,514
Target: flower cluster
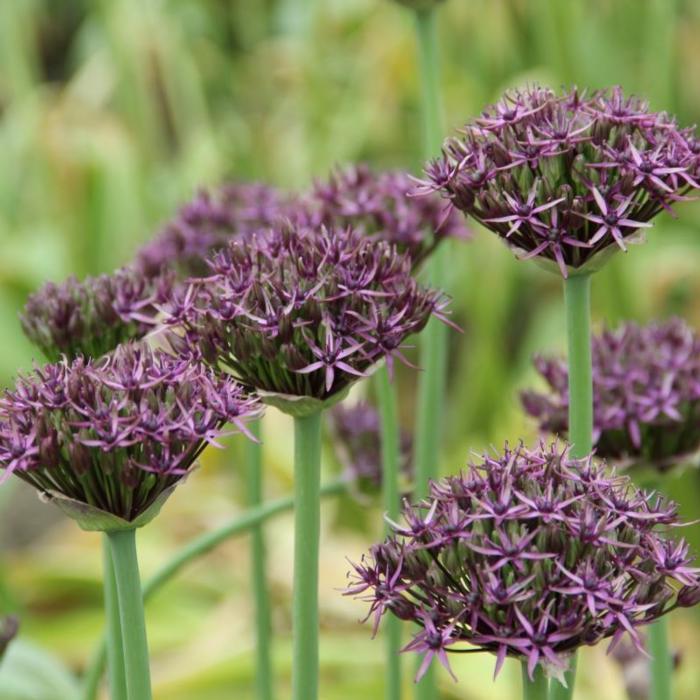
207,223
380,204
646,394
117,432
9,626
303,312
564,178
357,440
92,317
529,554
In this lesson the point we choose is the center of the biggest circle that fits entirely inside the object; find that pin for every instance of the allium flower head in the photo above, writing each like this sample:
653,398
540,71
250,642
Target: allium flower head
92,317
528,554
302,312
564,178
357,441
109,439
646,394
207,223
382,206
9,627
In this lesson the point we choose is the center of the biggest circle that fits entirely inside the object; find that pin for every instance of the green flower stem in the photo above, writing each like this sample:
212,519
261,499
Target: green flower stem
391,448
193,551
307,521
126,573
433,348
115,648
661,665
535,689
263,666
577,298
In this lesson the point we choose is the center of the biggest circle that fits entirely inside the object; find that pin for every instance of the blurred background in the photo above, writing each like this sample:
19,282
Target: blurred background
113,112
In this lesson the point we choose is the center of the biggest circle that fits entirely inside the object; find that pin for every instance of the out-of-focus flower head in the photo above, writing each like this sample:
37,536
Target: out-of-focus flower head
9,626
382,206
92,317
357,441
207,223
303,312
109,439
528,554
566,178
646,394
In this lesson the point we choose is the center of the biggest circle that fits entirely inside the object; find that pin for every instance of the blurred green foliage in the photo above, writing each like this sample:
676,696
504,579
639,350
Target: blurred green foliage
114,111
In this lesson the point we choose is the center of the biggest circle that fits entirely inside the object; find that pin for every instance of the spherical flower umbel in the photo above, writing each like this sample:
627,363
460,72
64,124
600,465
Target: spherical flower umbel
565,178
112,437
646,394
207,223
528,554
92,317
382,205
303,312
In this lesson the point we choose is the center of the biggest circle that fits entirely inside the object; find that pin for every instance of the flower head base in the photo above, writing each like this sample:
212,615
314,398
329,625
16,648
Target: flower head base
9,626
646,395
357,440
565,178
303,312
207,223
92,317
112,437
382,206
529,554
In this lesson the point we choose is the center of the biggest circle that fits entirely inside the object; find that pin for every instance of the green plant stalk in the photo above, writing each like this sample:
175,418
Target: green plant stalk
115,648
193,551
661,664
307,524
263,665
537,688
126,572
391,448
577,299
433,348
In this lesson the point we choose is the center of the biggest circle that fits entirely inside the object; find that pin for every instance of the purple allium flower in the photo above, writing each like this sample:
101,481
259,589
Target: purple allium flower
92,317
303,312
9,626
357,441
207,223
380,204
566,177
118,432
646,394
528,554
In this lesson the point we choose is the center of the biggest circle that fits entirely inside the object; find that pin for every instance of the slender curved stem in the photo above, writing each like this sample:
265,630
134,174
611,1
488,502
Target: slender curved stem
433,348
193,551
391,448
115,648
307,523
661,665
535,689
126,573
577,298
263,666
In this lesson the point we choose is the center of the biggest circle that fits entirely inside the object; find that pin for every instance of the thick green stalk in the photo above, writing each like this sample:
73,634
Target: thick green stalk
115,648
307,523
433,348
391,448
535,689
577,298
126,572
193,551
661,665
263,666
